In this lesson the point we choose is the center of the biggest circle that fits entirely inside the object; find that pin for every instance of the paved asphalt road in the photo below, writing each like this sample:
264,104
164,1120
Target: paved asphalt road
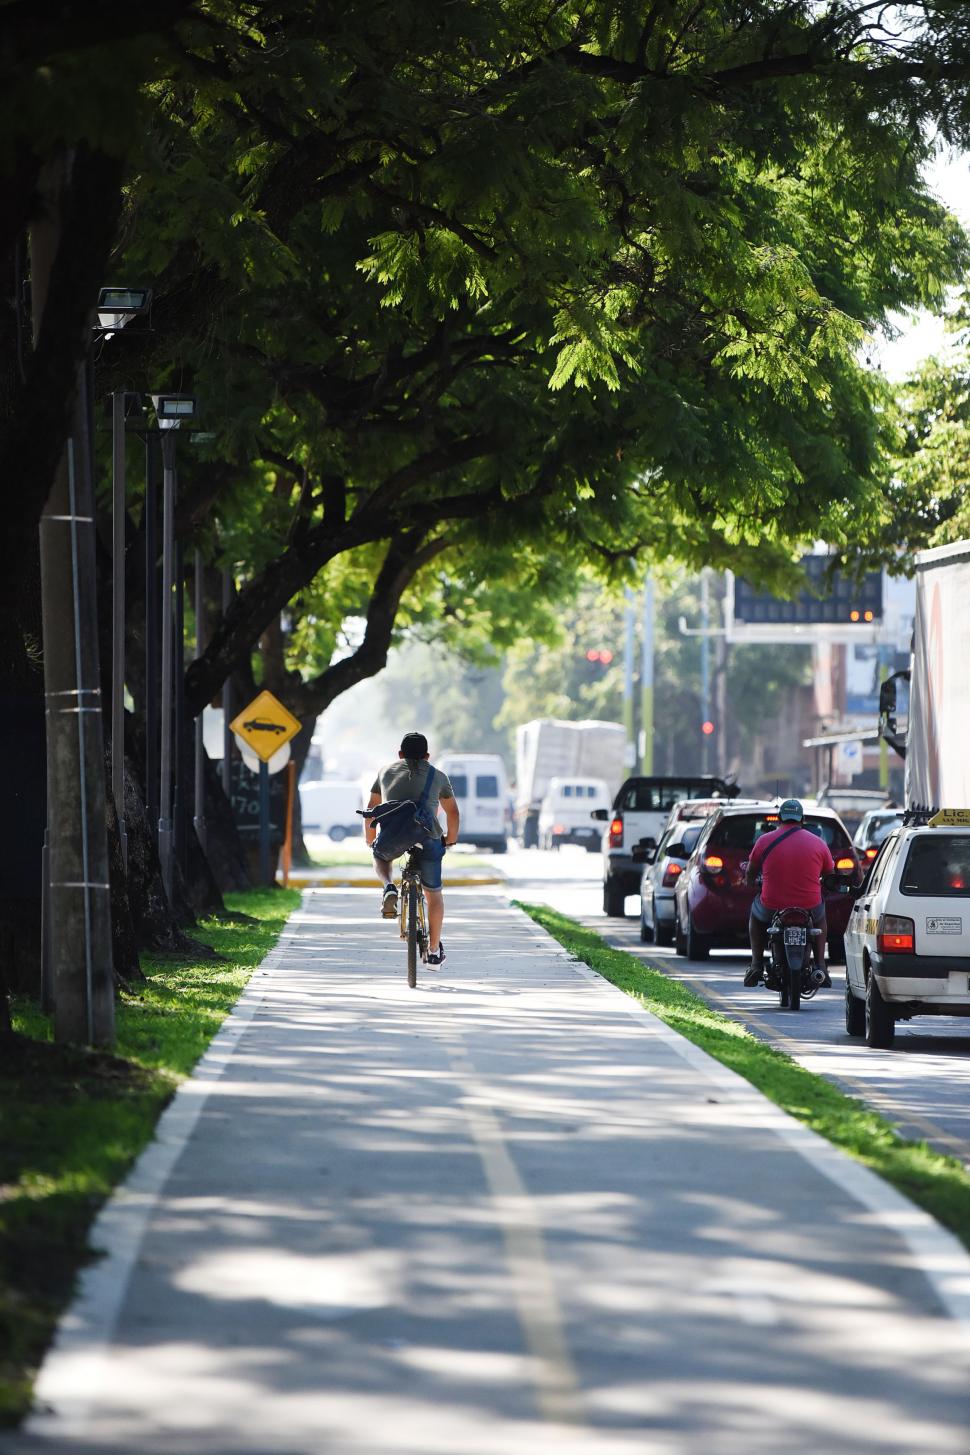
508,1213
922,1085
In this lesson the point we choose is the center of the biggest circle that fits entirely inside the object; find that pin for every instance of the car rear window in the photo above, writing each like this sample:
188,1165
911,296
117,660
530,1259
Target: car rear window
937,866
486,786
647,797
740,831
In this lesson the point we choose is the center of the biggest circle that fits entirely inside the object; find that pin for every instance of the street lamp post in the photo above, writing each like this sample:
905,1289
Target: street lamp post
226,700
170,411
199,793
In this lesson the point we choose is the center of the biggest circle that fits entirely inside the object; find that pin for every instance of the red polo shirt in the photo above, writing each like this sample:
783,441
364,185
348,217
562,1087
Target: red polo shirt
791,873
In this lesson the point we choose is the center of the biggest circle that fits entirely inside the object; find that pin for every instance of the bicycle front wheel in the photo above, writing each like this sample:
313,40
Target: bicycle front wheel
412,902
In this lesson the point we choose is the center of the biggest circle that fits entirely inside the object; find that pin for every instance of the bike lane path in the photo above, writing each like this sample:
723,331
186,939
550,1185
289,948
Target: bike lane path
508,1211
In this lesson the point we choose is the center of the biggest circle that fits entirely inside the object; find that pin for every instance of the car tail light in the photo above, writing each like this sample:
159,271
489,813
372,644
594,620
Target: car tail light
845,863
871,854
672,873
559,828
895,935
713,862
771,818
616,833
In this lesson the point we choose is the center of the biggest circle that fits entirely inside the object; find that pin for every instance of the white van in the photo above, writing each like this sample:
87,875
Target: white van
482,791
564,817
329,806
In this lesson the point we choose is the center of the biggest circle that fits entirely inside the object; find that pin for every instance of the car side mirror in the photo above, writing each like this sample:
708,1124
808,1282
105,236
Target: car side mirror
645,852
602,814
678,851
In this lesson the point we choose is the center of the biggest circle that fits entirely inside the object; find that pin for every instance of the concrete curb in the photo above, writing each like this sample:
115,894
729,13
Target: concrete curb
298,881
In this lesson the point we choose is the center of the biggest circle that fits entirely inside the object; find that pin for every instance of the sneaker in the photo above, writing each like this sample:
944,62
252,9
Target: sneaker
827,981
436,957
752,975
389,902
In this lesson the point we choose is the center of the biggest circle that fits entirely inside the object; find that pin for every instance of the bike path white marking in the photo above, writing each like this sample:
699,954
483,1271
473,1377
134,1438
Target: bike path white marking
78,1363
939,1256
76,1367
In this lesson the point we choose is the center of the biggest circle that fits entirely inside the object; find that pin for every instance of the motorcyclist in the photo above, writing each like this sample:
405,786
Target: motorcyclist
790,860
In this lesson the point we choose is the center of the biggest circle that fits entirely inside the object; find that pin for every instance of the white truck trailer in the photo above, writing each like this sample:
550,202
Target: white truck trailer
548,748
937,761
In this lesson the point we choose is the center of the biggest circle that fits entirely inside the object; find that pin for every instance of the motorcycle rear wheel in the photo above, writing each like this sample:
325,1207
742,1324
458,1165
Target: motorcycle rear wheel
794,989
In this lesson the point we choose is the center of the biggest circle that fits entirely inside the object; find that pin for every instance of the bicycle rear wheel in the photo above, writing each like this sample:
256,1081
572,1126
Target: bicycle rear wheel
412,903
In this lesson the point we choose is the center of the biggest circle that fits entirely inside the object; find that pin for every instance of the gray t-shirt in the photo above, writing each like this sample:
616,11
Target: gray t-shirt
400,780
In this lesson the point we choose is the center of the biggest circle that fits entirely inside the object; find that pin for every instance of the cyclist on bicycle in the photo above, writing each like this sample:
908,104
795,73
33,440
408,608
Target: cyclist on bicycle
793,860
406,778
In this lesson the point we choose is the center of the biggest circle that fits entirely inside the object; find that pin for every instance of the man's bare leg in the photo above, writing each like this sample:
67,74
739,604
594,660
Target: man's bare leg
436,914
758,935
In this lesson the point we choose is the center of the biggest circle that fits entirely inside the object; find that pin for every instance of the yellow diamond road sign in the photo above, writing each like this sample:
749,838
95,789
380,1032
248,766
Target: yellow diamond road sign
265,725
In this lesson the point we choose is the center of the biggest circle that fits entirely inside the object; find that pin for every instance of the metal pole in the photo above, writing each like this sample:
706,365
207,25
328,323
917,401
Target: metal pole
118,616
152,647
705,667
168,627
180,821
263,823
628,710
198,819
646,678
226,700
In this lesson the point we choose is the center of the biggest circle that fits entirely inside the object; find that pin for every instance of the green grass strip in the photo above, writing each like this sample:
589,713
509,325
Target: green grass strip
72,1122
938,1183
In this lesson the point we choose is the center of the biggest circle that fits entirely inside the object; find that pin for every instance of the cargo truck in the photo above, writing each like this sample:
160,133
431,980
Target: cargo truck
549,748
937,761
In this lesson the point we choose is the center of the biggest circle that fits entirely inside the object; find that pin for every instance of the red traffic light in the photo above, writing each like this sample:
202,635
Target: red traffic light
707,728
602,655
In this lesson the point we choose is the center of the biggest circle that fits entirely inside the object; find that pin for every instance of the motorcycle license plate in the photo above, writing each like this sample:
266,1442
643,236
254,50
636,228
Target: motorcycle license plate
796,935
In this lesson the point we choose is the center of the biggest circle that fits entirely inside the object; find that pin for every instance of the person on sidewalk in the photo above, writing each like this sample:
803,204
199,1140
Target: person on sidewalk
791,860
407,777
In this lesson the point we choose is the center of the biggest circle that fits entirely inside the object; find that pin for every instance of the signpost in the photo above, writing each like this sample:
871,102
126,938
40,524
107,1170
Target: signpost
265,725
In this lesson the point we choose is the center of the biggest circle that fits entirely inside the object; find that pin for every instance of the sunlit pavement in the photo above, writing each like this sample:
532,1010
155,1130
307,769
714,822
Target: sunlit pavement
505,1212
922,1085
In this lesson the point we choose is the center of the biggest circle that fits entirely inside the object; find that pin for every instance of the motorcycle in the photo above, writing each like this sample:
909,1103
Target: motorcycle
792,970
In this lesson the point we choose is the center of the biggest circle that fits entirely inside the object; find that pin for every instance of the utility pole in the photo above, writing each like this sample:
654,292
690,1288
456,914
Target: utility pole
227,714
705,668
646,678
118,517
79,948
199,786
629,711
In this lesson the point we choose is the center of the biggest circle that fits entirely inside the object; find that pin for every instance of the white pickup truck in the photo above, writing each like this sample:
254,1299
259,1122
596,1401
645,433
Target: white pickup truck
640,811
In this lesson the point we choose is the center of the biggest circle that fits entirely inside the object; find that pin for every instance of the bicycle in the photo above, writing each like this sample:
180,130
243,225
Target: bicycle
414,919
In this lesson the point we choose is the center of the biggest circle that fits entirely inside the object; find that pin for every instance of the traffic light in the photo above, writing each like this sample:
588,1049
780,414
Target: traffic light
707,728
599,656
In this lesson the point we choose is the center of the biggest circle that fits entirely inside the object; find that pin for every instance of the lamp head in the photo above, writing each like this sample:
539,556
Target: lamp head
171,410
118,306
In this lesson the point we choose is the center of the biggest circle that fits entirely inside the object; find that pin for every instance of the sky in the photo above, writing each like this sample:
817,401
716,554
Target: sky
921,334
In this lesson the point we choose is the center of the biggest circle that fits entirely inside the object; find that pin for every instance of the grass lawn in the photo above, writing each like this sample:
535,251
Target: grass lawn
935,1182
72,1122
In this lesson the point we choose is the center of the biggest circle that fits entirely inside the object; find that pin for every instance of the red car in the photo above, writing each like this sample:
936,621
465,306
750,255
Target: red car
712,901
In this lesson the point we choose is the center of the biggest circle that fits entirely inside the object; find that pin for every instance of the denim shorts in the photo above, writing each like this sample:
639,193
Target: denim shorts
429,863
759,912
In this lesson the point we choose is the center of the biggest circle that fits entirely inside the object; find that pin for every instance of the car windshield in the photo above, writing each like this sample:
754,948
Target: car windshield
740,831
938,866
876,829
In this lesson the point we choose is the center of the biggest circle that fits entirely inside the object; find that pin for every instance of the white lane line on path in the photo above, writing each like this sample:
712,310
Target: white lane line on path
77,1365
533,1288
940,1257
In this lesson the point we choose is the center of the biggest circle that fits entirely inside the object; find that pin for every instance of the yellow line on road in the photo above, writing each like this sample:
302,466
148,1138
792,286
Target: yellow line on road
534,1290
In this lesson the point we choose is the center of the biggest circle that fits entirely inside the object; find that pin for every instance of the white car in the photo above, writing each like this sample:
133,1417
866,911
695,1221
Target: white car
907,943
